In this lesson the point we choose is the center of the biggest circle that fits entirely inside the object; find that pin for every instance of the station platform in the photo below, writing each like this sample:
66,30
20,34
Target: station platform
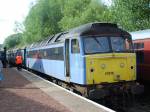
23,91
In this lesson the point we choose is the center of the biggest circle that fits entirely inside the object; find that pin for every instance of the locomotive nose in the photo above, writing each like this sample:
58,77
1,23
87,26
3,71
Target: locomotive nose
107,68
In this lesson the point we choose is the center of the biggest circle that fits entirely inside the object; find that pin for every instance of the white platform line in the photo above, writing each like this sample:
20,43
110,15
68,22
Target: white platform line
90,101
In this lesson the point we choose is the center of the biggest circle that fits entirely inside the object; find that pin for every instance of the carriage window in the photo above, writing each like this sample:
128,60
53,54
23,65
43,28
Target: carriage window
75,46
138,45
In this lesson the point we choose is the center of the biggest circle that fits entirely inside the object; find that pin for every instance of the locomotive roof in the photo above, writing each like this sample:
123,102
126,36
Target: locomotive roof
142,34
91,26
96,28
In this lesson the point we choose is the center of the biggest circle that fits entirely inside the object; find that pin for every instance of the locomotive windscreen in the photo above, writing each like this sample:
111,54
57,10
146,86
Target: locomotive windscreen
97,44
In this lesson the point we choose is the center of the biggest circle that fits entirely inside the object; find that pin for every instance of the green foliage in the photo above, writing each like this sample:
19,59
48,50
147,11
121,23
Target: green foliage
12,40
42,20
132,14
77,12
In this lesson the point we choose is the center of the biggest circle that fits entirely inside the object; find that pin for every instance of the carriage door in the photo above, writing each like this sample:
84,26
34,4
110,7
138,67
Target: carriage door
67,60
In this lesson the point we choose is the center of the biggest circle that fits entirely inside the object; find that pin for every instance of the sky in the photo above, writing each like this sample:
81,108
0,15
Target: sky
107,2
11,11
140,34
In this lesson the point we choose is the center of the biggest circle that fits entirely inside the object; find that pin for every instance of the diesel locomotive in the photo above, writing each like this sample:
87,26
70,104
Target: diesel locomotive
95,59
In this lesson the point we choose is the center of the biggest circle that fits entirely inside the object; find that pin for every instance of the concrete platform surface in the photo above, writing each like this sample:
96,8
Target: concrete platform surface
17,94
46,95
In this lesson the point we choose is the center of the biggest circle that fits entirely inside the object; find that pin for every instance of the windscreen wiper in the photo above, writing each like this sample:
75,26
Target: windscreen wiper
97,41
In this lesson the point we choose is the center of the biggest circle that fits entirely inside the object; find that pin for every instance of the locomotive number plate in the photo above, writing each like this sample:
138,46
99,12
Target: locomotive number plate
109,73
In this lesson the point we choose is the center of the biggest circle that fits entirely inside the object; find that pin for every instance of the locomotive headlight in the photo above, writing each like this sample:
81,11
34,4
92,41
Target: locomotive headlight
103,66
122,65
92,70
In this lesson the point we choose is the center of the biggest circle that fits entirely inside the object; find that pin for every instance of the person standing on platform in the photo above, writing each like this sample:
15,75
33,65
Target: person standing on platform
19,61
1,74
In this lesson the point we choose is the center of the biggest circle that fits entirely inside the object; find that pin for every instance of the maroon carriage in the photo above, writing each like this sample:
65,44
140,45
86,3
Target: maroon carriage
142,47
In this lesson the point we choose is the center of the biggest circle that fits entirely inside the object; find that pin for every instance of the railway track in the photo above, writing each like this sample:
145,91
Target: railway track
139,104
142,103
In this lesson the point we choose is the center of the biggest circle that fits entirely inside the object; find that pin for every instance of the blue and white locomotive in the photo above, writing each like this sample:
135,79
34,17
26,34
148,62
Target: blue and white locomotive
91,59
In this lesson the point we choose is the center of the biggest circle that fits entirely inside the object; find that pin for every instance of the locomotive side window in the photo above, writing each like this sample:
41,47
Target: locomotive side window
55,53
41,53
45,53
75,46
50,53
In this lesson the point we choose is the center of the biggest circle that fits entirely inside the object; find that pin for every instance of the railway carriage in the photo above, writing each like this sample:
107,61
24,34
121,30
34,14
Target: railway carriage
142,47
11,56
95,59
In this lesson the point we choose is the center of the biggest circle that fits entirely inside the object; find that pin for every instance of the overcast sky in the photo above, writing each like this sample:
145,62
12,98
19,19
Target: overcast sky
11,11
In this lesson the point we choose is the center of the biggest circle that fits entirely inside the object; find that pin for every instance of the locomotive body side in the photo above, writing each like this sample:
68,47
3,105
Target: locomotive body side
53,63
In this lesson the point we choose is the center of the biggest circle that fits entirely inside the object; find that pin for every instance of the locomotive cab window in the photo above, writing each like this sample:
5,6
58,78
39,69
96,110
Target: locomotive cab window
75,46
119,44
96,45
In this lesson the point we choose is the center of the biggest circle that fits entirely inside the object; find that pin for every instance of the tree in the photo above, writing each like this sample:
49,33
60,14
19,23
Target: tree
42,20
131,14
78,12
13,40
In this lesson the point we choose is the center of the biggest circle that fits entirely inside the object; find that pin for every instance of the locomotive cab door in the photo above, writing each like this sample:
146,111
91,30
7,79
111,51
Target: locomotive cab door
67,60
